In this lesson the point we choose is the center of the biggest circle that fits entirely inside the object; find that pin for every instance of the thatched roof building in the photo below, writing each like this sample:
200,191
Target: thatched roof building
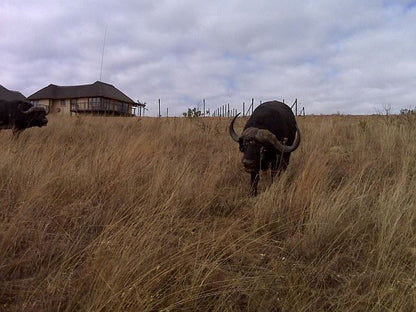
96,98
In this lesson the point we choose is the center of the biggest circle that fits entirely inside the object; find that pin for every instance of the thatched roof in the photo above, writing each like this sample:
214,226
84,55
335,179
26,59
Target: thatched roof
8,95
97,89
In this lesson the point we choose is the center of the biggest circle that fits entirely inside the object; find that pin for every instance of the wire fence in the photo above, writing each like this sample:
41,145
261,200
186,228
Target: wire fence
247,110
225,110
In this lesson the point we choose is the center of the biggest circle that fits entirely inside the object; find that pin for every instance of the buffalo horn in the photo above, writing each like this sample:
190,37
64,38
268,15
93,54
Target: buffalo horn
233,135
34,109
27,111
250,132
265,136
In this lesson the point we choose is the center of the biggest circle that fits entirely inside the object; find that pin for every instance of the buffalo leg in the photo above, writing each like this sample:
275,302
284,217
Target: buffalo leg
280,164
274,165
254,181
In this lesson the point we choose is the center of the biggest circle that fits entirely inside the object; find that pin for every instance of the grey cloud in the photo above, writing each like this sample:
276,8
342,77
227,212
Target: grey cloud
344,56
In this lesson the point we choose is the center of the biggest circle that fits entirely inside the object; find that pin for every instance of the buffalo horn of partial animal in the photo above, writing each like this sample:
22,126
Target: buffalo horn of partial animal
33,109
25,112
265,136
233,135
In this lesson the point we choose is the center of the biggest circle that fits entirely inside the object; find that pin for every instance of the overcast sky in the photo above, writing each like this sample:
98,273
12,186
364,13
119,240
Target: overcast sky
344,56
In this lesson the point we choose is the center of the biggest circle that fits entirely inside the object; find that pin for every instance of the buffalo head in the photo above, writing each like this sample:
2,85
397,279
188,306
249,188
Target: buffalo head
35,116
253,140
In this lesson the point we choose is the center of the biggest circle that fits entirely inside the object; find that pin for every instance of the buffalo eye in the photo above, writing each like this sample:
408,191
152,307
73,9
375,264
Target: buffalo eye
245,144
251,142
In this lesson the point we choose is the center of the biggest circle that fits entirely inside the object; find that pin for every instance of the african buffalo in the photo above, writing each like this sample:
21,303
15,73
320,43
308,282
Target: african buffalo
269,136
19,115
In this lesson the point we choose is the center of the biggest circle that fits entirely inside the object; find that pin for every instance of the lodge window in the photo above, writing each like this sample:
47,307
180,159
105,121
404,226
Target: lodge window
95,102
74,103
123,107
106,104
63,102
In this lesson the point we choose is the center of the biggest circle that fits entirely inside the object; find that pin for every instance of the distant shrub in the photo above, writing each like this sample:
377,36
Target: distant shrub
192,112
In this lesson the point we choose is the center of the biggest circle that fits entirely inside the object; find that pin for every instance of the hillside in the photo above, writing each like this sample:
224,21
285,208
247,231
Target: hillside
126,214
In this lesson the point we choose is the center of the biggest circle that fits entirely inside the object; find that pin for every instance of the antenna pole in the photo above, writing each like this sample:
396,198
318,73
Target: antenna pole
102,54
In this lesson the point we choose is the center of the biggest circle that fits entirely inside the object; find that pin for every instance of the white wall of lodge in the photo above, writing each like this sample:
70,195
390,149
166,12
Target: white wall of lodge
86,105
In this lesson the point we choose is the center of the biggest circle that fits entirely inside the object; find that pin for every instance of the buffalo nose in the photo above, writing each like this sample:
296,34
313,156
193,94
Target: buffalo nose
248,163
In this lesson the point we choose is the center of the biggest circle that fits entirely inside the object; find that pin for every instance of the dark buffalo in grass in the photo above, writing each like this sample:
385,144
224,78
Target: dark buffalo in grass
20,115
270,135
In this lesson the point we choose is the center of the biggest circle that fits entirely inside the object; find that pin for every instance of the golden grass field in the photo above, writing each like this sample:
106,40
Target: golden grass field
127,214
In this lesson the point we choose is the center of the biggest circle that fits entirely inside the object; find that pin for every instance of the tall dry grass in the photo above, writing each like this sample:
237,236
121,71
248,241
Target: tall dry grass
115,214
